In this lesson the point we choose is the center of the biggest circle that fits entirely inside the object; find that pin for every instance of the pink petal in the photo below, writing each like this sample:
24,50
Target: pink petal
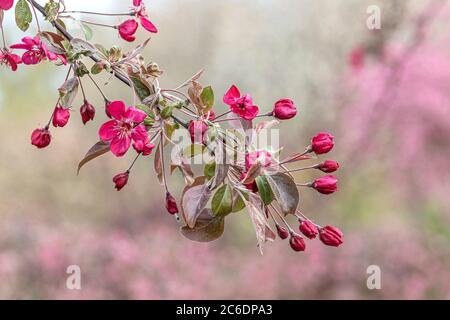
6,4
148,25
250,112
139,133
30,58
135,115
116,109
120,146
137,3
107,131
20,46
232,94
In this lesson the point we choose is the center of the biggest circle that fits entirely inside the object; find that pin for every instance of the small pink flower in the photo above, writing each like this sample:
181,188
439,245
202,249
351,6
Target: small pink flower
322,143
9,59
41,137
240,105
6,4
127,29
87,112
121,180
197,130
331,236
284,109
61,116
141,12
36,51
325,185
309,229
297,243
124,128
144,147
328,166
171,204
263,156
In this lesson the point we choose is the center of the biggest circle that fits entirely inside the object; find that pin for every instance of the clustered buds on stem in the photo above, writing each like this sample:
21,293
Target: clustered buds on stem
253,178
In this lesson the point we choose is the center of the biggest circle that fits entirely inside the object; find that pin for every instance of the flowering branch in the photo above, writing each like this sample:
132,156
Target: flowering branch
237,172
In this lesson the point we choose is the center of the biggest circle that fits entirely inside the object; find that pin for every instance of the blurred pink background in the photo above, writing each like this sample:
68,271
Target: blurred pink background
384,94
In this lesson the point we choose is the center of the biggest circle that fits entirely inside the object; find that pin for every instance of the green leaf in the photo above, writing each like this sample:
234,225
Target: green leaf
210,170
166,113
51,9
142,90
95,151
88,33
98,67
238,202
222,201
264,190
23,15
207,228
285,191
207,97
68,91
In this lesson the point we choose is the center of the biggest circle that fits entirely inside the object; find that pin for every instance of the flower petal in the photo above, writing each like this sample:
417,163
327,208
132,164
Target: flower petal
250,112
108,130
30,58
6,4
148,25
232,94
120,146
116,109
139,133
135,115
137,3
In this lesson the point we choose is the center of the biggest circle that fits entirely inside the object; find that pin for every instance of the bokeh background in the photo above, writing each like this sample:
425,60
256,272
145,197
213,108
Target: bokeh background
384,94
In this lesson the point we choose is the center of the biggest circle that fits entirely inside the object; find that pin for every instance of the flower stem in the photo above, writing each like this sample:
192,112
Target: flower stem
134,161
99,89
35,16
100,13
3,36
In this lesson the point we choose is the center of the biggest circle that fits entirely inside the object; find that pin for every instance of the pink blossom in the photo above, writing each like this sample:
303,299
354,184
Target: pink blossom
9,59
240,105
36,51
141,12
124,128
121,180
322,143
263,156
87,112
284,109
60,117
41,137
127,29
143,147
6,4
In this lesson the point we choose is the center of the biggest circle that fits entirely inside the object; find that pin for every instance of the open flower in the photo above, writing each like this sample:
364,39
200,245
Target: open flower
124,128
240,105
9,59
127,29
6,4
36,51
141,12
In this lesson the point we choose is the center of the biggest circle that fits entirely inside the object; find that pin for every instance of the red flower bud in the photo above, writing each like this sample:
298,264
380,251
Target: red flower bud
6,4
297,243
325,185
197,130
322,143
284,109
282,232
171,204
41,138
252,186
308,229
328,166
61,116
331,236
127,29
87,112
121,180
